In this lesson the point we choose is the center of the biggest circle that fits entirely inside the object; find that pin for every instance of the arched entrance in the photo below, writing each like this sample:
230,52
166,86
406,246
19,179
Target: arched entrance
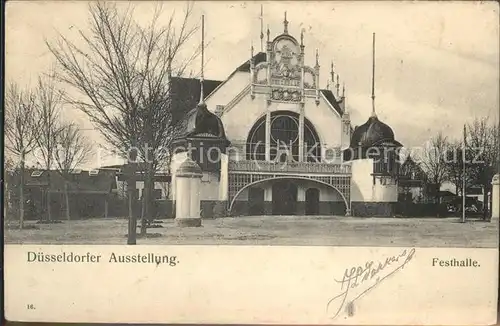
312,201
284,197
284,192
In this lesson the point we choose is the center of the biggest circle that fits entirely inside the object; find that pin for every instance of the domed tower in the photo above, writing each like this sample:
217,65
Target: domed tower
373,154
201,138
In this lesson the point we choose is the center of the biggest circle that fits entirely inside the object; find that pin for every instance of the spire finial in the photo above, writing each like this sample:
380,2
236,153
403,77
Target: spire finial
268,32
285,24
373,77
251,50
261,28
332,73
317,58
343,90
338,86
202,99
302,37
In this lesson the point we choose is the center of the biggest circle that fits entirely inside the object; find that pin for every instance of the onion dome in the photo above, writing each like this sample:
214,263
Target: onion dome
201,122
202,131
371,133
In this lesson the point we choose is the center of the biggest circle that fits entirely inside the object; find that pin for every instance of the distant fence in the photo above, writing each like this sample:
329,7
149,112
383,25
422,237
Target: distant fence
84,206
419,209
405,209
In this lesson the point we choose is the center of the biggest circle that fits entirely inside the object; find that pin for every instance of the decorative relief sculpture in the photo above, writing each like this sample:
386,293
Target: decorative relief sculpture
309,78
260,76
285,69
286,95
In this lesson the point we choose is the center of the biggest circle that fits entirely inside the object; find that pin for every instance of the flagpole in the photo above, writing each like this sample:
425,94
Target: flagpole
463,177
373,77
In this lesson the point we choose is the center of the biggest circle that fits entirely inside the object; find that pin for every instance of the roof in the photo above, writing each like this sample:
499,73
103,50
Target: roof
186,91
188,168
199,122
186,94
81,182
446,193
160,176
245,66
331,99
140,166
372,132
410,170
474,190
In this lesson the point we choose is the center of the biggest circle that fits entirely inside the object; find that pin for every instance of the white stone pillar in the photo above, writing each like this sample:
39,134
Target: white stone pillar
194,201
268,136
187,194
301,136
495,198
182,200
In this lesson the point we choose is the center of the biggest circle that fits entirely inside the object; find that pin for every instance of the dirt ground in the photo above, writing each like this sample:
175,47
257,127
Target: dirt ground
274,230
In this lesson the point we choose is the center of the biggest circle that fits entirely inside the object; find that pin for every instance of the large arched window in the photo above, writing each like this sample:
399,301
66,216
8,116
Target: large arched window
284,139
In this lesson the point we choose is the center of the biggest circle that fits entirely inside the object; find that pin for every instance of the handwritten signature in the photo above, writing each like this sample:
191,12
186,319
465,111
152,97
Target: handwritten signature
356,276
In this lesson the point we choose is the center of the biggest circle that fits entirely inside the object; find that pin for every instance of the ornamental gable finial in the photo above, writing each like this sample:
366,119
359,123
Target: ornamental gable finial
285,24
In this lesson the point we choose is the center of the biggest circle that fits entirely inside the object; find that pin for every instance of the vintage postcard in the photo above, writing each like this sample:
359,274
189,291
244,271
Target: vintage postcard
324,163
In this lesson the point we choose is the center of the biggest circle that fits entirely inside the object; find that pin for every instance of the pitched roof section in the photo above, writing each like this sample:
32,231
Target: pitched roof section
411,170
160,176
103,182
331,99
186,94
186,91
245,66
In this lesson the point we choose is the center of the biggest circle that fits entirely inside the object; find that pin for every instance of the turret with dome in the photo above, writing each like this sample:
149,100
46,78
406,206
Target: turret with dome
200,122
371,133
373,155
200,127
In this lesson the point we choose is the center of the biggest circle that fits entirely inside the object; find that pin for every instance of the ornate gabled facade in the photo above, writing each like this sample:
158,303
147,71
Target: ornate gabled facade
289,140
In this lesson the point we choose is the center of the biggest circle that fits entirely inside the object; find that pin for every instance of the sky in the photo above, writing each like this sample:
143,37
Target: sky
437,63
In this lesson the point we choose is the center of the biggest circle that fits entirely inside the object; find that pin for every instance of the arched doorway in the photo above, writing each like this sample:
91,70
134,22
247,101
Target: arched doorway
255,201
284,197
312,201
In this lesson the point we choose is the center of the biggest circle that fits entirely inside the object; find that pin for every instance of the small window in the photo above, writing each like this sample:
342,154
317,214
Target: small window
93,172
36,173
76,171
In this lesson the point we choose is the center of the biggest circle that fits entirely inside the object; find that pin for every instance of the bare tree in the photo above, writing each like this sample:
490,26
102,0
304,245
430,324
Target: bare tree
73,150
455,166
48,104
123,71
21,132
433,162
483,144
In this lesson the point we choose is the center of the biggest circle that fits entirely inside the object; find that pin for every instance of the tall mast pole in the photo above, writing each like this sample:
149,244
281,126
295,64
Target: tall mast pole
463,176
202,58
261,28
373,77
